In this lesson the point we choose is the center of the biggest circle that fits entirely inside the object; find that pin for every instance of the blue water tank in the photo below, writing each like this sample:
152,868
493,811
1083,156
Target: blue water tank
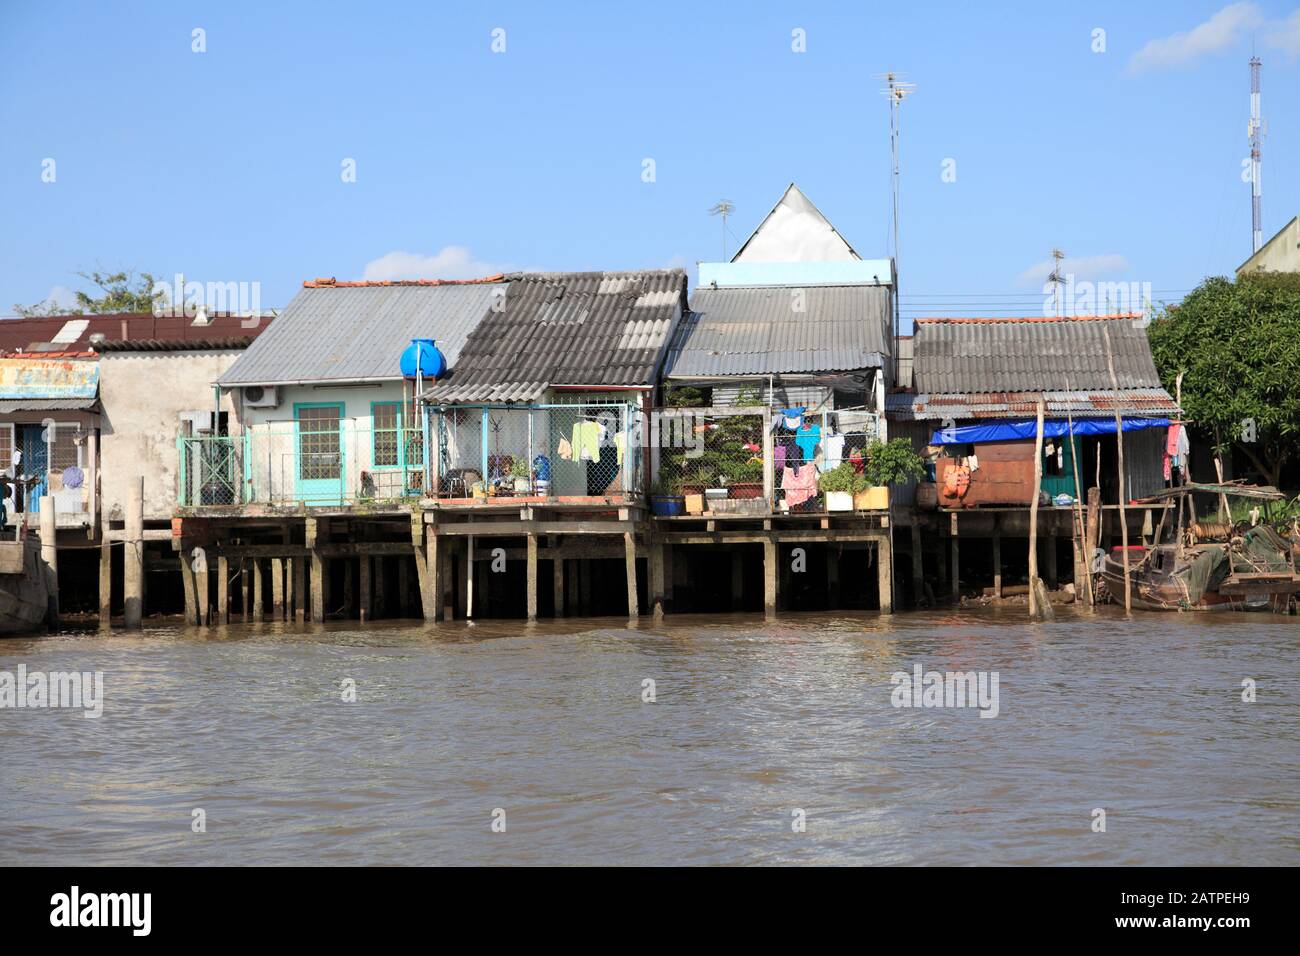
424,357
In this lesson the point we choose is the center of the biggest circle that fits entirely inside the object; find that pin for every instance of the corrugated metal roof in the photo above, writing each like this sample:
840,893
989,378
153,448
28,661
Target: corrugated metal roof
45,404
757,331
357,333
1020,355
954,405
173,345
63,335
597,329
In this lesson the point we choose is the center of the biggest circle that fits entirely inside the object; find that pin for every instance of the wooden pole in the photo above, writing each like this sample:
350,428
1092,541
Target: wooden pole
133,566
314,528
885,573
187,585
366,589
105,574
629,560
557,584
378,604
1082,579
259,602
1123,494
657,569
223,589
954,545
50,559
277,589
532,577
770,572
997,562
1035,612
918,563
299,589
202,594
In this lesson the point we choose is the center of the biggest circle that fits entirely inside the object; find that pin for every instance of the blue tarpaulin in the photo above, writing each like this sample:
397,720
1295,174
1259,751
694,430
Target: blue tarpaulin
1011,431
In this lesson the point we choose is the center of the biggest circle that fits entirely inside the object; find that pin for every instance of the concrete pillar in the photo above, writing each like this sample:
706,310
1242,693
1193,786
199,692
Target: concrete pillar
885,573
629,560
277,589
223,590
50,558
299,589
770,572
532,577
462,578
259,604
245,606
349,589
364,584
105,574
133,565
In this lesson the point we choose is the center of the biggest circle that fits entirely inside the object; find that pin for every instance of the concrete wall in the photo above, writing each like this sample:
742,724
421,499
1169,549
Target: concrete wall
143,395
1279,254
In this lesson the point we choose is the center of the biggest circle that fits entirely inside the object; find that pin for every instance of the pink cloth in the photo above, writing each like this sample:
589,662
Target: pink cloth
799,484
1171,448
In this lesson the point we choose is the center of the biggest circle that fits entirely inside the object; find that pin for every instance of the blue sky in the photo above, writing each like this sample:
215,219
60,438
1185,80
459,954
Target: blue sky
225,165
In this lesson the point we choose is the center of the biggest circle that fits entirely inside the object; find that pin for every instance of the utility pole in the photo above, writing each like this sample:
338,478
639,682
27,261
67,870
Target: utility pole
1255,132
897,90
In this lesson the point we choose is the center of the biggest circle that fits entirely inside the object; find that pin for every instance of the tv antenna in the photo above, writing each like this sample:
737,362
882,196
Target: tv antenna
723,208
1255,131
1057,280
897,90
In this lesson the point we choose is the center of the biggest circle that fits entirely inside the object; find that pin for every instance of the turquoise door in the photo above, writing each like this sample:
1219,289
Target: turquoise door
320,453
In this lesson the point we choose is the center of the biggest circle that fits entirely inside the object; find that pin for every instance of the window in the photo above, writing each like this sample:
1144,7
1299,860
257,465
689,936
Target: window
6,447
318,442
391,432
386,418
65,449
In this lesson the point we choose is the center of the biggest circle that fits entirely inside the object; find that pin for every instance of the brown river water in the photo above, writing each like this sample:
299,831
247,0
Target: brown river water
751,721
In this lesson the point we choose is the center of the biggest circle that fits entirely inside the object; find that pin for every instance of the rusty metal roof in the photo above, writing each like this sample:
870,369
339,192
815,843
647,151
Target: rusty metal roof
982,356
937,406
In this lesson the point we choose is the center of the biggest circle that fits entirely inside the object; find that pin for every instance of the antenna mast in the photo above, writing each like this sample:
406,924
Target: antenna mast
1057,280
896,89
1256,134
723,208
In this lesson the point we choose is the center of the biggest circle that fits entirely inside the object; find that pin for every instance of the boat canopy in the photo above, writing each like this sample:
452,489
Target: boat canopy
1055,428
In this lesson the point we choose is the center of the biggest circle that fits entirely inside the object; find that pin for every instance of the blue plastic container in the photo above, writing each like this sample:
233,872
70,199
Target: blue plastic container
424,357
667,506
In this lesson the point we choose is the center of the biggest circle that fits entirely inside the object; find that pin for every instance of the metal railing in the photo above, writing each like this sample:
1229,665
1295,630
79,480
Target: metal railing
547,451
752,460
479,452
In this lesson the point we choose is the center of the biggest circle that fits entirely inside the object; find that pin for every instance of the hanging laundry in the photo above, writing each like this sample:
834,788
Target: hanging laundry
793,417
799,484
620,442
587,437
1171,448
778,457
834,452
807,439
564,450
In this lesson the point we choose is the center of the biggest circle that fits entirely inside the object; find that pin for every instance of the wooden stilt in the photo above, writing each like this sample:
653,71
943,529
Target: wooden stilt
319,568
557,584
133,564
1039,609
738,581
202,587
404,586
105,575
187,586
656,575
245,607
532,577
300,596
431,596
223,590
379,603
584,586
572,576
918,564
954,577
1123,491
259,603
364,584
349,589
277,589
997,563
1050,553
770,573
629,560
885,573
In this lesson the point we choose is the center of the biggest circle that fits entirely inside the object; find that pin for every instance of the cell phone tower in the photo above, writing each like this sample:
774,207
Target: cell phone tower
1255,131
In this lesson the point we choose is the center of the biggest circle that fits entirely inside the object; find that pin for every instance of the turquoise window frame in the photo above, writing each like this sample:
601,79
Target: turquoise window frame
402,462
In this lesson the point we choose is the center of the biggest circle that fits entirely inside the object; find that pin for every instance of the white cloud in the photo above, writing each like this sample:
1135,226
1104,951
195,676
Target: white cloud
1102,266
450,262
1215,35
1284,35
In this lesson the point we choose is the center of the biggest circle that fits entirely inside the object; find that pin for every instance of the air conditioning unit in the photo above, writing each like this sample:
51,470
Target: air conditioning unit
261,396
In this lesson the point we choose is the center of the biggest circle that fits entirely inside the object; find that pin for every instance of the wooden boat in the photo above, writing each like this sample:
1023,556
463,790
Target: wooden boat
1204,565
24,594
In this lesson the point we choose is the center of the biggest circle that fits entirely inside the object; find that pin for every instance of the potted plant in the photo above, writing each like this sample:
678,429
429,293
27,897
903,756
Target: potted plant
666,500
523,477
888,463
840,484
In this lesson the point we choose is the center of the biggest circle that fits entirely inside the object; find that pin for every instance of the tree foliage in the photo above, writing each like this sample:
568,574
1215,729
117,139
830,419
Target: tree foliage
121,291
1237,346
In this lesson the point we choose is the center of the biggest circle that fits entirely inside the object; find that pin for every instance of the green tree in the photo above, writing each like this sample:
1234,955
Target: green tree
1237,346
120,291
